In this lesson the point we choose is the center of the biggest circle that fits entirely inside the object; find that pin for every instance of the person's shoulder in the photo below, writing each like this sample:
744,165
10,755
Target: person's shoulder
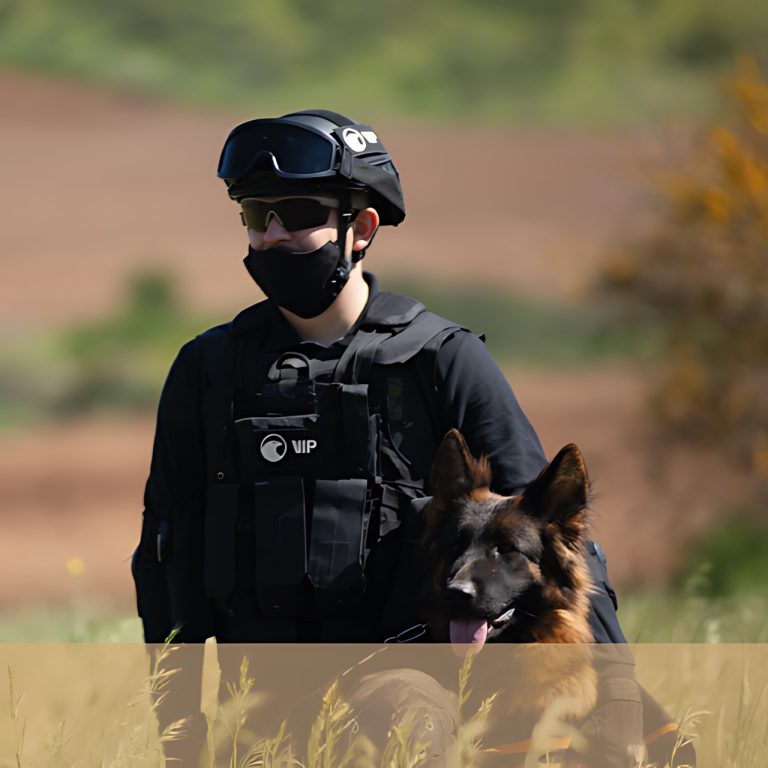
462,347
249,319
214,340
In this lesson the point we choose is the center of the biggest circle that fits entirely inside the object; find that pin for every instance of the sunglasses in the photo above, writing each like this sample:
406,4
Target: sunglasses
292,213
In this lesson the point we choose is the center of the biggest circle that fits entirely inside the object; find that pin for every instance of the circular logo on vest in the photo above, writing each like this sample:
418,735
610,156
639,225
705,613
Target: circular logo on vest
273,448
353,139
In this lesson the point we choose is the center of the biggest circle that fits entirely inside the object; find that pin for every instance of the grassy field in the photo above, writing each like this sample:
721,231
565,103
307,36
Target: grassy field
88,703
80,685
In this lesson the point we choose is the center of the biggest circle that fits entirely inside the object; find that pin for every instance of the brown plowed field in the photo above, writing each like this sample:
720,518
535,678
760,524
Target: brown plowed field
75,490
95,185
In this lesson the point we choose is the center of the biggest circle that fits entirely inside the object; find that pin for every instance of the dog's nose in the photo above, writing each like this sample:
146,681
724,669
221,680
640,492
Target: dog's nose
460,590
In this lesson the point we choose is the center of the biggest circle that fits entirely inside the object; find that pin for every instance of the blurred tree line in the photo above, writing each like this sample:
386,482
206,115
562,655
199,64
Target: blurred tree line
703,273
112,363
489,59
120,360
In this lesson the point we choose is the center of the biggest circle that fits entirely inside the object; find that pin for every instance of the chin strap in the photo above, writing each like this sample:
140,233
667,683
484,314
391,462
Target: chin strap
340,275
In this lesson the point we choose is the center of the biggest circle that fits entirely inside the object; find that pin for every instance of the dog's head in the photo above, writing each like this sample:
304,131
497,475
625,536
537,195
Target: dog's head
503,563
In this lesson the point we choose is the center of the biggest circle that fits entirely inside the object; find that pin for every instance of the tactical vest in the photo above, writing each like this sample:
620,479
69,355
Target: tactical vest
303,465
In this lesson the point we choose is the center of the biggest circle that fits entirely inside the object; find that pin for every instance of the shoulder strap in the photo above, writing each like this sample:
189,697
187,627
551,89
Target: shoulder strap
395,329
387,315
354,367
391,309
218,354
424,331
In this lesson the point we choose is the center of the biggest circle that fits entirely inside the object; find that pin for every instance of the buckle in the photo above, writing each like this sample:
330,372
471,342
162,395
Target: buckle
409,635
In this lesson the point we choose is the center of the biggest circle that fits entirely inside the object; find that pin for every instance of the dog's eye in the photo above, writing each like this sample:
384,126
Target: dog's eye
505,548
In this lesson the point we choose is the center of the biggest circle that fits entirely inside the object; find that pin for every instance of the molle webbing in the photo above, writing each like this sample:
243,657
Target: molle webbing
344,496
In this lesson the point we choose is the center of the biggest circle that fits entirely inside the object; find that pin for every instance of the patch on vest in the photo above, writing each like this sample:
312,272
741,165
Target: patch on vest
273,448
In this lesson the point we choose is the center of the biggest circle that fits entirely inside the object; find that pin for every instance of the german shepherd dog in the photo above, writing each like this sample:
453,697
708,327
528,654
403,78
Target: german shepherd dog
513,570
509,569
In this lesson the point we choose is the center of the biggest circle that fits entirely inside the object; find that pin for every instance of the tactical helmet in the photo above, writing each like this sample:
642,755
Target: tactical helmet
316,151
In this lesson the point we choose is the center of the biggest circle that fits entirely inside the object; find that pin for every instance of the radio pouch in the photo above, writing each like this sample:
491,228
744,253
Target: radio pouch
339,523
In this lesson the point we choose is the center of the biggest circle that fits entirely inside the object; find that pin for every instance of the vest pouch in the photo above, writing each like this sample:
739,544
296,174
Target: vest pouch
284,445
340,518
279,529
404,607
221,504
280,551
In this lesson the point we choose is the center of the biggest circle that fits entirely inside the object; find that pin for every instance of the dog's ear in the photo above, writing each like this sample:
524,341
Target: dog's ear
560,492
454,471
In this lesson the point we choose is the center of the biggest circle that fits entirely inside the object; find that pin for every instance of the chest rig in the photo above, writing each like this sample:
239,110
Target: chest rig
298,496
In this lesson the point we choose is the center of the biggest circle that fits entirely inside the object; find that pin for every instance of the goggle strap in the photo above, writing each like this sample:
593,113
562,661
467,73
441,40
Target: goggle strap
345,166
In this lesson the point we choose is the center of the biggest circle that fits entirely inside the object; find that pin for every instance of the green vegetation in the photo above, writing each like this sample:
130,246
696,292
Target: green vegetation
114,363
730,559
76,622
532,331
555,60
682,615
119,362
677,616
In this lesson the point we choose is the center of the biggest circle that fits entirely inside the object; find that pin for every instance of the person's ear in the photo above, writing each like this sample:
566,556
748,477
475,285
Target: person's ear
363,228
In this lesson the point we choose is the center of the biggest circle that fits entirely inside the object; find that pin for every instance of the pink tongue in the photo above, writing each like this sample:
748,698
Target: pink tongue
472,631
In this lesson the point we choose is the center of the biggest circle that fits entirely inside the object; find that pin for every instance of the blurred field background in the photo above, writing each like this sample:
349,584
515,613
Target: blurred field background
586,183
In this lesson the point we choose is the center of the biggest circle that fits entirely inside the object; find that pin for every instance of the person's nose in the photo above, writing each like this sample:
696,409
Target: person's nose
275,232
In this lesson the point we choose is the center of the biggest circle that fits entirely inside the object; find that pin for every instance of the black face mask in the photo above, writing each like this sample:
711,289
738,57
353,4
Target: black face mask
304,283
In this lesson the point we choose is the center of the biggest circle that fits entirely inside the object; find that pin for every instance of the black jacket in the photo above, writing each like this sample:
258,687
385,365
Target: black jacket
459,385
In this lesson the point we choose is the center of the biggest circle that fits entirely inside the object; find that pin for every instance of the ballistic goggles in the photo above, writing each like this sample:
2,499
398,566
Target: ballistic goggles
294,150
289,150
293,213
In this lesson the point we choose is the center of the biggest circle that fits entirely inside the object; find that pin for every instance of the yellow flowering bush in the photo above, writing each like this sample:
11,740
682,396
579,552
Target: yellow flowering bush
703,273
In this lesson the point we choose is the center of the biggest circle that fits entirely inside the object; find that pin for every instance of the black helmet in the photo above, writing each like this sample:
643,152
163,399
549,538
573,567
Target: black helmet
318,150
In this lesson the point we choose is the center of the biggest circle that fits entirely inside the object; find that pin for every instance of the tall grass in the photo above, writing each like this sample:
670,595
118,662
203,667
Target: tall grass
76,713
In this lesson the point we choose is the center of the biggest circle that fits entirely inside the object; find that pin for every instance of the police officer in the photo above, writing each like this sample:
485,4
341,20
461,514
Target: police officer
294,443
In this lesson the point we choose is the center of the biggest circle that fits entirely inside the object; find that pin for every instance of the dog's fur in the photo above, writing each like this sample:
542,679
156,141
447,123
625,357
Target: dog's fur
488,553
485,555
